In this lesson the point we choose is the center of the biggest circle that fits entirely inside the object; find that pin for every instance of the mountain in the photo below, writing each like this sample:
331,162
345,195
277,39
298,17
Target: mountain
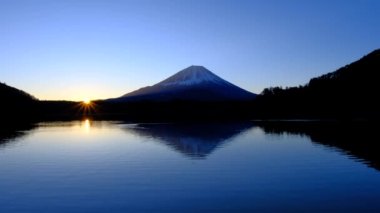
349,92
358,78
15,104
10,94
194,83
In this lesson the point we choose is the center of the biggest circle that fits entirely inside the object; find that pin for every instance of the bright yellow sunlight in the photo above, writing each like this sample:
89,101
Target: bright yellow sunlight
86,107
86,101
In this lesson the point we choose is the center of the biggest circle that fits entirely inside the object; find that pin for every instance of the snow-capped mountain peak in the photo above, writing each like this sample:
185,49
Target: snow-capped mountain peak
191,76
192,83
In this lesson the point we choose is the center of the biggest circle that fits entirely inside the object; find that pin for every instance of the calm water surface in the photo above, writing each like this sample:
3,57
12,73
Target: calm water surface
101,166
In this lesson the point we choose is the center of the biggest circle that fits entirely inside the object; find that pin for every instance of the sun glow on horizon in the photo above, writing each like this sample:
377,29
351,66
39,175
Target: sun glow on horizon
86,101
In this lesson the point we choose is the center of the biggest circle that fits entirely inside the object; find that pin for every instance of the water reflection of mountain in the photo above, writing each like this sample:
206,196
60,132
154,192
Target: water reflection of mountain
194,140
10,131
358,140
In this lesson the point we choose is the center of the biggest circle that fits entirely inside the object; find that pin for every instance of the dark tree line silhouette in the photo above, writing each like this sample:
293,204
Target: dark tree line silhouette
16,103
350,92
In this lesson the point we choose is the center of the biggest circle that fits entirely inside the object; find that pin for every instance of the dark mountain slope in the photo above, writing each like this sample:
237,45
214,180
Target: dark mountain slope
349,92
10,94
15,103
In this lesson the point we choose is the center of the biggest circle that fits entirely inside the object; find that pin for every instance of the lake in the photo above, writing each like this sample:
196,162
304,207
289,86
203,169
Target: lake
111,166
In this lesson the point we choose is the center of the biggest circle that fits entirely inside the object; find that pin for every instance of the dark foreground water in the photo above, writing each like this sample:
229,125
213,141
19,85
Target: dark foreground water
89,166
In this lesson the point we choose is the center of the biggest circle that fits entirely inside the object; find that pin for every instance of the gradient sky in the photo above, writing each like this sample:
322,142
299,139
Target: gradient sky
77,49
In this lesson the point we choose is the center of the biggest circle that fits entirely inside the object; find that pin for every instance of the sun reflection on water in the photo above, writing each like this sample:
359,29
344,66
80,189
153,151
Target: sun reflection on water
86,125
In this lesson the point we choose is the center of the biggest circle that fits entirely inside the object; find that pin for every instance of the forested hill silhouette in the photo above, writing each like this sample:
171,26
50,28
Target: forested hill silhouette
15,102
349,92
13,95
17,105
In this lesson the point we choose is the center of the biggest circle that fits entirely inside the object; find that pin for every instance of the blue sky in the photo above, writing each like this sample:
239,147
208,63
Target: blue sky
78,49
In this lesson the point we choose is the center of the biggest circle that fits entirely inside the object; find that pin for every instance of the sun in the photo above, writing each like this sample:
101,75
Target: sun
86,107
87,101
